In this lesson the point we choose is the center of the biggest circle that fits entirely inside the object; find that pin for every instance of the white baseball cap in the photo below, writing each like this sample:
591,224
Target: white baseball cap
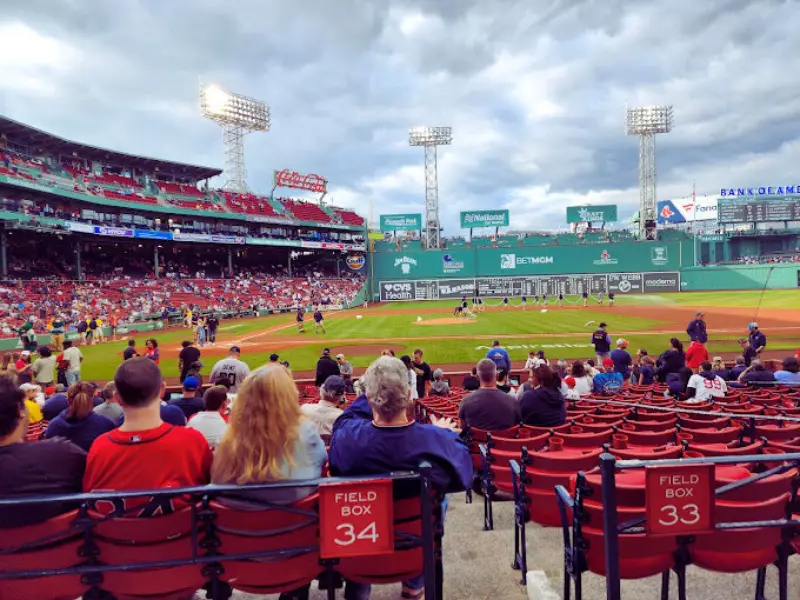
622,342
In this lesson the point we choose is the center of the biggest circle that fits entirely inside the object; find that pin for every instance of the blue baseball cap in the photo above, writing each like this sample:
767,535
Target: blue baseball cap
191,384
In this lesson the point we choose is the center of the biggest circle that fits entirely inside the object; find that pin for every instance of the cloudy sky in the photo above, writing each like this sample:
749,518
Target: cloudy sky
535,92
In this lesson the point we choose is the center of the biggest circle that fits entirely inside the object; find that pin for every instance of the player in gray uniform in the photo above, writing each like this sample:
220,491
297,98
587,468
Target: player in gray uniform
230,371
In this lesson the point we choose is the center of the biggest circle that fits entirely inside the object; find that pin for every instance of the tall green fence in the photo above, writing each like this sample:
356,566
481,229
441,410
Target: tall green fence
741,277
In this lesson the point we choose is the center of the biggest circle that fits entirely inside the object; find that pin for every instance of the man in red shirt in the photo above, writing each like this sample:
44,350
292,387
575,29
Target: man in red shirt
145,452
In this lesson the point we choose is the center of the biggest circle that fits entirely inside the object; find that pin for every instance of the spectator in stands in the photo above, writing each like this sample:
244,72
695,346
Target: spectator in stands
230,371
637,365
152,351
543,405
756,372
647,372
671,360
326,367
43,368
211,420
23,366
174,456
748,352
488,408
130,352
471,381
109,407
697,329
56,403
423,372
79,424
189,355
718,366
738,368
789,373
622,359
268,439
189,403
46,467
502,382
531,361
601,342
696,355
705,385
72,355
561,368
758,341
330,406
8,368
439,386
607,381
499,356
583,381
568,388
32,393
375,436
412,376
346,371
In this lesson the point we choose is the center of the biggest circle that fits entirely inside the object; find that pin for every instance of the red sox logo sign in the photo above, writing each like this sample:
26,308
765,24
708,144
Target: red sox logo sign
293,179
666,212
605,255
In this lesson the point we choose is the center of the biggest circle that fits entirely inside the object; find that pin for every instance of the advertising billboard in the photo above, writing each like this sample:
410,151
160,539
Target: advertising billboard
484,218
407,222
600,213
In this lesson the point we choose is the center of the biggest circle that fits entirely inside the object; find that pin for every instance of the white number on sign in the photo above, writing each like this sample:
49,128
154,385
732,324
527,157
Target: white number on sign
689,515
368,533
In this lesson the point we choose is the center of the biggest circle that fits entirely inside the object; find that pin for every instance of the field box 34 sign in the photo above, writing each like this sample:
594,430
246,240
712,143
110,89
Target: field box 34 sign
679,500
356,518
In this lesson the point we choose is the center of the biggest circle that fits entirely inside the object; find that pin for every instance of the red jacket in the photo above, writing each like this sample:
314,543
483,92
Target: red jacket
696,354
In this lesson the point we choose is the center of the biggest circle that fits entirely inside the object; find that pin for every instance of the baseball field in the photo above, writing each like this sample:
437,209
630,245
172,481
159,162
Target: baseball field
457,343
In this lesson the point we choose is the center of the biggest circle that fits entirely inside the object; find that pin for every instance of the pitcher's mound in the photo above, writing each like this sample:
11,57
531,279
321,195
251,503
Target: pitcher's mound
445,321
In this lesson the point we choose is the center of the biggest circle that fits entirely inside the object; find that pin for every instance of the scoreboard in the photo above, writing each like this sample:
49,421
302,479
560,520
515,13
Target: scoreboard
786,208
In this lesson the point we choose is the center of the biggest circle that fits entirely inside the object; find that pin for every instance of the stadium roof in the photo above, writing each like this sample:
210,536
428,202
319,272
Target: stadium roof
41,141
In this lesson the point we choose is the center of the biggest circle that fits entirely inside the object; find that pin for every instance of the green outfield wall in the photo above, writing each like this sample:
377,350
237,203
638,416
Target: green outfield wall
622,268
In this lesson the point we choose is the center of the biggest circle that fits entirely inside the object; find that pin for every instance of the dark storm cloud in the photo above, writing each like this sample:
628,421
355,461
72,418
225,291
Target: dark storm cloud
535,92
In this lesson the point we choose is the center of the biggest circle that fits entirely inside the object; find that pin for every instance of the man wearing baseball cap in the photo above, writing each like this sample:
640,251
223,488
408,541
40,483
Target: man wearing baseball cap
601,342
622,359
326,367
758,341
697,329
189,403
607,381
230,371
331,404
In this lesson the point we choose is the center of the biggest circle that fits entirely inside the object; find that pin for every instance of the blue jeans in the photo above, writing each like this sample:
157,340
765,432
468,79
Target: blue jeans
72,377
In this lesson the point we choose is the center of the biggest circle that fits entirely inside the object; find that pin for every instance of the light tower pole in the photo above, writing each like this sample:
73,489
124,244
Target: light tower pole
430,138
647,122
237,115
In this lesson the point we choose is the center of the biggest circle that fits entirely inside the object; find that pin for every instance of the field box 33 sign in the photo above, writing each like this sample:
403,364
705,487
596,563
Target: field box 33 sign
356,518
679,500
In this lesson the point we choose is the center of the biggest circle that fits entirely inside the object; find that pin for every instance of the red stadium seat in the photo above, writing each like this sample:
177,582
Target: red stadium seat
54,544
268,530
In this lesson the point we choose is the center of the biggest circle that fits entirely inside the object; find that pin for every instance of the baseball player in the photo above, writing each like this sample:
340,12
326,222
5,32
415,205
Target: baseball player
561,299
524,302
611,298
505,302
536,299
458,311
318,321
299,318
481,307
544,300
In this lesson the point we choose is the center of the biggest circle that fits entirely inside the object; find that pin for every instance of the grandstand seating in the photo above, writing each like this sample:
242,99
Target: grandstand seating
249,204
348,217
177,189
305,211
211,544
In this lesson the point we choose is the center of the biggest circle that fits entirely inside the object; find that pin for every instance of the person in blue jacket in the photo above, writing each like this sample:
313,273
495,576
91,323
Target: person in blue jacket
601,342
697,329
499,356
758,341
375,436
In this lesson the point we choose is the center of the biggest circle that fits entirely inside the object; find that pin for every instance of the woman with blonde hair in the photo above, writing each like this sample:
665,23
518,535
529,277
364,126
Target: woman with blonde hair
79,423
268,439
8,367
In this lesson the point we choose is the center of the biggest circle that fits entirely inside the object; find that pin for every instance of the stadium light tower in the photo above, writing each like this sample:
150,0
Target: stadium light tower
238,115
647,122
430,138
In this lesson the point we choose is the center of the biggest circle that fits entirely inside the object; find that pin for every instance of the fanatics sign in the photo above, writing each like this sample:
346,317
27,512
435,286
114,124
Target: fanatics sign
356,518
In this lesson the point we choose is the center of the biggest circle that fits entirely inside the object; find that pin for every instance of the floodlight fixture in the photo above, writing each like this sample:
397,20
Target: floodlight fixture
237,115
430,138
646,122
